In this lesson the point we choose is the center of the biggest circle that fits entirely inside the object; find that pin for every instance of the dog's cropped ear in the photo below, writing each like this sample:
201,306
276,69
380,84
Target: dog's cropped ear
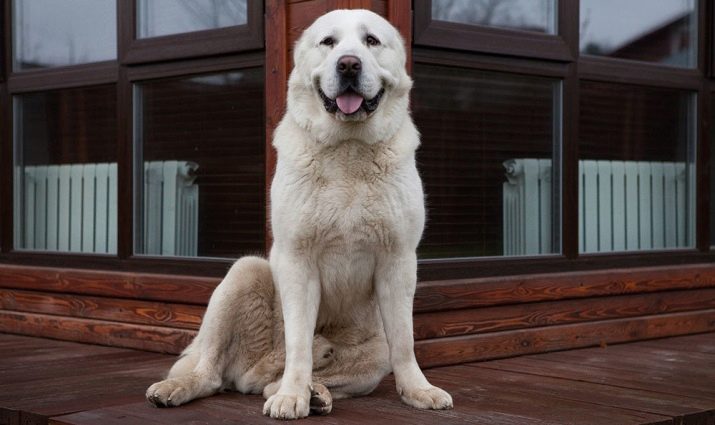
405,82
301,50
301,47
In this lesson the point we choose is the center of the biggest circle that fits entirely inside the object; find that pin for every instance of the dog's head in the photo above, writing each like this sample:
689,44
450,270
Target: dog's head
349,79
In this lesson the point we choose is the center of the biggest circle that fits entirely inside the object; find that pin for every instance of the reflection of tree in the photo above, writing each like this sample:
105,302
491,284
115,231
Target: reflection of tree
509,13
39,47
589,46
212,13
215,14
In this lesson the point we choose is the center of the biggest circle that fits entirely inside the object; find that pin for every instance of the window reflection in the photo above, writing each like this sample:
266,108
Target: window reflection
636,171
200,169
51,33
527,15
66,170
487,162
163,17
663,31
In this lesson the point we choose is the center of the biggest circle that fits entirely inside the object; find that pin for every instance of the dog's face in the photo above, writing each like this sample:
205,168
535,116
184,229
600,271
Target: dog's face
349,67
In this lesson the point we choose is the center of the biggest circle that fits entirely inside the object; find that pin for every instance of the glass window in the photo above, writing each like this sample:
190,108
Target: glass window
525,15
49,33
163,17
200,170
66,170
636,170
663,31
489,160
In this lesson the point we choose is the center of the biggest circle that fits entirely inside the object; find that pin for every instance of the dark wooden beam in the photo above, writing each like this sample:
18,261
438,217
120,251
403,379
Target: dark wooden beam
471,348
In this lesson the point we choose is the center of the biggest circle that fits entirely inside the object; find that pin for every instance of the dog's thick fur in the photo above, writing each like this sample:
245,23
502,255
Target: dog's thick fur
333,305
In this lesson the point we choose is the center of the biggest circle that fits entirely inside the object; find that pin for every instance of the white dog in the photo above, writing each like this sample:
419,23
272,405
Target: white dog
332,309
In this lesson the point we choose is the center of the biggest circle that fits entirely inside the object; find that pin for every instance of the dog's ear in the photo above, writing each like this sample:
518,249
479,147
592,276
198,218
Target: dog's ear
404,81
301,47
300,50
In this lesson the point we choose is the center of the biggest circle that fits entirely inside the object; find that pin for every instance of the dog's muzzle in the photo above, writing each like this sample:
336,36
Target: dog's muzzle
350,102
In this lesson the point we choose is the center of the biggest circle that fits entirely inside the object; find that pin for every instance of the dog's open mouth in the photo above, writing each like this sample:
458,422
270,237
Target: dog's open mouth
350,102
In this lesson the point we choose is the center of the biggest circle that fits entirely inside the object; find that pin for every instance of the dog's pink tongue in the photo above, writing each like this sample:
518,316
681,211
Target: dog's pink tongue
349,102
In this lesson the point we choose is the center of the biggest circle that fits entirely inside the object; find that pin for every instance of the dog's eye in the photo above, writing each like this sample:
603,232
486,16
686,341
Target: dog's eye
328,41
371,40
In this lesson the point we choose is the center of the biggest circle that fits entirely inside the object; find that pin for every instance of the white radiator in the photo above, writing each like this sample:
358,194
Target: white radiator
527,207
73,208
171,208
622,206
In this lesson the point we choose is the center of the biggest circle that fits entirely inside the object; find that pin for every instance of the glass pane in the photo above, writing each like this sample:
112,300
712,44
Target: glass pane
525,15
636,170
163,17
66,170
200,185
489,161
51,33
663,31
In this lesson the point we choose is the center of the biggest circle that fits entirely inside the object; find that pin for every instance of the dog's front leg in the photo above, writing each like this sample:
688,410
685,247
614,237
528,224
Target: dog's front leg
396,279
299,287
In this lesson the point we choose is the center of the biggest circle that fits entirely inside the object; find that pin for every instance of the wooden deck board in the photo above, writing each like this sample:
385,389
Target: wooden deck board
665,381
682,408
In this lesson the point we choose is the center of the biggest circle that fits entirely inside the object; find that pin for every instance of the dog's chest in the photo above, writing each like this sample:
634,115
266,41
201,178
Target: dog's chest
354,202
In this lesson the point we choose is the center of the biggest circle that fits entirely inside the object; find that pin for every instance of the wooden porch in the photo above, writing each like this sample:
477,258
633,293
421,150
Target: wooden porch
663,381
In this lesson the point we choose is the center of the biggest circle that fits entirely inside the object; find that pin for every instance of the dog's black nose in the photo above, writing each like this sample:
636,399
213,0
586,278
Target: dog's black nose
349,66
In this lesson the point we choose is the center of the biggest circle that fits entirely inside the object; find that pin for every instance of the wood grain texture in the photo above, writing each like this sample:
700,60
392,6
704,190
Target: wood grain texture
470,348
488,401
51,378
300,16
624,384
184,316
550,313
277,70
399,13
430,296
481,292
145,286
430,353
683,409
552,392
669,371
115,334
426,325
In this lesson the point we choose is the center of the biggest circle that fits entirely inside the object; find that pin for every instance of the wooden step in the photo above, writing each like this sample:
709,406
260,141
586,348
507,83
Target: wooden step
667,381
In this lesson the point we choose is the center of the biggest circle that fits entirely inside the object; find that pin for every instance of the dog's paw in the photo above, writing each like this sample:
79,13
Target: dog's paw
321,402
168,393
323,352
427,398
271,389
286,406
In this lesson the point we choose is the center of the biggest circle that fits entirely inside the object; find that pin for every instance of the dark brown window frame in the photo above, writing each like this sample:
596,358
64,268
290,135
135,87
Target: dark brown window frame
562,46
4,35
710,18
230,48
504,51
133,50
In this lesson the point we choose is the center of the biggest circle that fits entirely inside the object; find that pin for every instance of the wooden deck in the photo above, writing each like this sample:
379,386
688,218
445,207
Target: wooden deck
667,381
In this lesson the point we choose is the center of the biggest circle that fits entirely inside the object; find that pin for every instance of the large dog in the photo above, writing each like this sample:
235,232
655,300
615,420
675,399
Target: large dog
330,313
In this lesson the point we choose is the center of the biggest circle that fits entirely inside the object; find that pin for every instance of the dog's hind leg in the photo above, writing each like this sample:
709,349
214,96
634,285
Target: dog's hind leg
343,369
356,368
236,332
